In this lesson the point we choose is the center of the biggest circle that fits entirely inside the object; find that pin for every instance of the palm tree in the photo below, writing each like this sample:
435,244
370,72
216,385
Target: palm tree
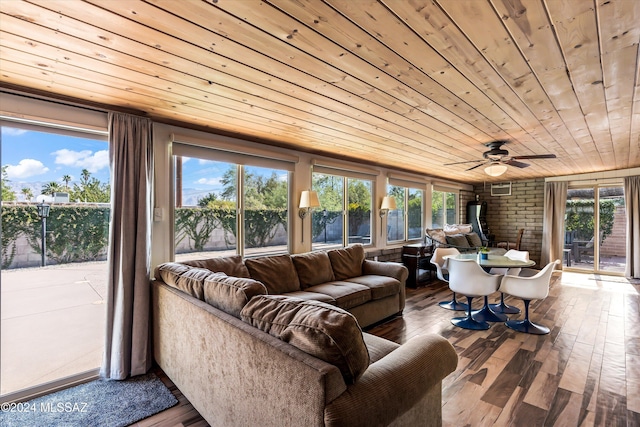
67,180
27,193
51,188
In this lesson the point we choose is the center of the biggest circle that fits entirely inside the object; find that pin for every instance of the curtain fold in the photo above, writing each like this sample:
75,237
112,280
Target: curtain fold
632,204
555,205
127,342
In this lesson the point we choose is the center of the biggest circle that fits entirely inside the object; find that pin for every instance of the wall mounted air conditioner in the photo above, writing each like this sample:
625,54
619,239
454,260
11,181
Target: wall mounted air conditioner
501,189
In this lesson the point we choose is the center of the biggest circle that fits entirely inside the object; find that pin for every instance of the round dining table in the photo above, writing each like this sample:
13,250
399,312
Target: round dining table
495,312
496,261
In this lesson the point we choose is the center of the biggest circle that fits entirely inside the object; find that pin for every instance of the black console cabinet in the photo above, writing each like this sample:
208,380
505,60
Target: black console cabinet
417,258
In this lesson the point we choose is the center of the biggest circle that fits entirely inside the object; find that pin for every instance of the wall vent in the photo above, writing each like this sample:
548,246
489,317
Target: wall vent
501,189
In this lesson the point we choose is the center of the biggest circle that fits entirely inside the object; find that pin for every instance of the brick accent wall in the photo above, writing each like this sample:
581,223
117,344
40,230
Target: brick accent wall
524,208
614,244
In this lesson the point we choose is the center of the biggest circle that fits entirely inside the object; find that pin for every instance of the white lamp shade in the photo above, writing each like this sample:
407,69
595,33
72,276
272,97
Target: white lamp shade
389,203
309,199
495,169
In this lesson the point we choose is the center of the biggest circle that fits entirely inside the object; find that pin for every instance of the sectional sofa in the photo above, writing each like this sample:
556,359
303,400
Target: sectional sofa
278,340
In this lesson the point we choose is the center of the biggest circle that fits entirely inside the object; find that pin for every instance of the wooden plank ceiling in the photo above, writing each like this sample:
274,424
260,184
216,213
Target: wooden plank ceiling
413,85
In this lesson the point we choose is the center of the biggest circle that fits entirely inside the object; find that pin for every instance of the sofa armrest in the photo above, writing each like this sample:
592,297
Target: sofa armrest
394,384
389,269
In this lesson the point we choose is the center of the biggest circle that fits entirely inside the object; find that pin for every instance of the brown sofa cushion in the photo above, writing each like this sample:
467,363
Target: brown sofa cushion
381,286
187,279
229,265
458,240
345,294
322,330
347,262
276,272
473,239
313,268
231,294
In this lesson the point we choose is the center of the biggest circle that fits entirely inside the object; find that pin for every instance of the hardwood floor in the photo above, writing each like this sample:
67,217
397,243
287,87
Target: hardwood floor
586,372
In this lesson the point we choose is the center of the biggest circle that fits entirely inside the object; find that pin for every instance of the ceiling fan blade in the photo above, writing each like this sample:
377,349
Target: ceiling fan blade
459,163
477,166
536,156
516,163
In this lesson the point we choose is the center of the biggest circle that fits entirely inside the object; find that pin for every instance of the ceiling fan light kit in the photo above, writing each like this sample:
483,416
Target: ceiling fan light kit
495,169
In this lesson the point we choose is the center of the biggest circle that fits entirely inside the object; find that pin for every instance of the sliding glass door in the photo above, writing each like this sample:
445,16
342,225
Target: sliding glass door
595,239
55,230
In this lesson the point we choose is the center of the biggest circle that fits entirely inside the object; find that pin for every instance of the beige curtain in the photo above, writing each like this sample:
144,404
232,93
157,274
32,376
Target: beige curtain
555,203
632,202
127,343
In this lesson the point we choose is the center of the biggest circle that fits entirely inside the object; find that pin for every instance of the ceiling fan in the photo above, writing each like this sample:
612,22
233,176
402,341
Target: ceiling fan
497,158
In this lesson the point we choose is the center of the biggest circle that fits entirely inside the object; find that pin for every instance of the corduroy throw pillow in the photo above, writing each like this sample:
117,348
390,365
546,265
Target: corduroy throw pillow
319,329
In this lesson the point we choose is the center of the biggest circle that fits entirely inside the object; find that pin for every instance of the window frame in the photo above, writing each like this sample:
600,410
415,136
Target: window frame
346,177
445,191
184,147
407,188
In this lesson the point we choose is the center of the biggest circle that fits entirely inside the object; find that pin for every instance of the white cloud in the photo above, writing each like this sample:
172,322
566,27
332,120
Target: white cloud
26,168
85,159
208,181
13,131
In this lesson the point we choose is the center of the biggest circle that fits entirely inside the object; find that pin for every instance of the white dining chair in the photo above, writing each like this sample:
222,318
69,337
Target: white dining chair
512,254
439,261
466,277
502,307
528,288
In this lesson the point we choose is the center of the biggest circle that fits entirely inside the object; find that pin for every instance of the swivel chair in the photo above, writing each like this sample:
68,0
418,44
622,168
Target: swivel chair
438,260
501,307
528,288
468,278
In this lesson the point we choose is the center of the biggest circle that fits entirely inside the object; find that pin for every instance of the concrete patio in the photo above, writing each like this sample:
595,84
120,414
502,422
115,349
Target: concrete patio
53,321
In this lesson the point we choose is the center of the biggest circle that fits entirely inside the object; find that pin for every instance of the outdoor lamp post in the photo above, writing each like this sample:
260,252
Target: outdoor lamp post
325,214
43,213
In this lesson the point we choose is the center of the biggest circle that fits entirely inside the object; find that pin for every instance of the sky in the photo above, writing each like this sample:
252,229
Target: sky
36,158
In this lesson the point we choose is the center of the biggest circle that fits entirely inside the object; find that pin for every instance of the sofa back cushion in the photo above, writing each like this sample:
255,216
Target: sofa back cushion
183,277
313,268
229,265
276,272
474,240
347,263
231,294
319,329
458,240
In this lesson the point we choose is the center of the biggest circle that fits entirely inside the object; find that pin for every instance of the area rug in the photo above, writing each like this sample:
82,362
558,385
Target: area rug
97,403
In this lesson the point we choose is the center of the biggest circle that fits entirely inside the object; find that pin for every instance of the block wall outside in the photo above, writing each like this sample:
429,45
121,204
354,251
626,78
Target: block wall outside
524,208
614,244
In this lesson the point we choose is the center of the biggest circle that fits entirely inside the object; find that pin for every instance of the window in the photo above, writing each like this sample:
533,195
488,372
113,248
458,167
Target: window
344,217
223,207
405,222
443,208
52,326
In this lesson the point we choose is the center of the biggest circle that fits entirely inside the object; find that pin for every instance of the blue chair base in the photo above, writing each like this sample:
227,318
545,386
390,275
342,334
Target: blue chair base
453,304
527,327
485,314
468,322
501,307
